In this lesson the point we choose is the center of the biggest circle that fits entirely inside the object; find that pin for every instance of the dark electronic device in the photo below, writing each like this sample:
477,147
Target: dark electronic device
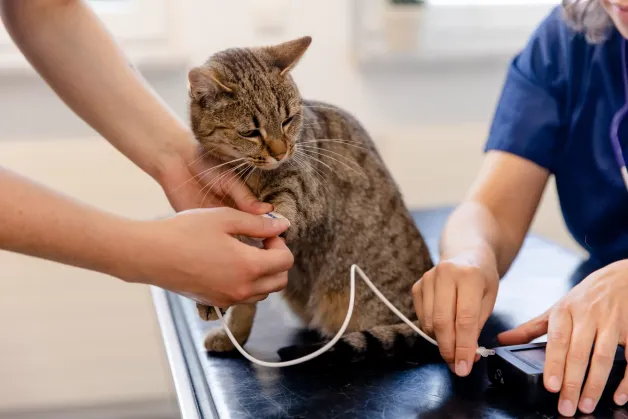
518,370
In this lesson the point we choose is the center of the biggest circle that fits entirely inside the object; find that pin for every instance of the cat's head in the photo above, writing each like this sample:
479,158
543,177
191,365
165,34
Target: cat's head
245,105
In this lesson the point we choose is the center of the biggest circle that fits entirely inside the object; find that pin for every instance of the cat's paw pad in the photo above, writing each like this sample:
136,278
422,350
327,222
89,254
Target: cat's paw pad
208,313
218,341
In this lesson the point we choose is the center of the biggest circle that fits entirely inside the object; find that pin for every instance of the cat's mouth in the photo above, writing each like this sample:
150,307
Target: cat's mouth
270,162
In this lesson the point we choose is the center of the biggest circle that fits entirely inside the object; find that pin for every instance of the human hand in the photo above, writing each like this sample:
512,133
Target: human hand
191,179
195,254
593,312
453,300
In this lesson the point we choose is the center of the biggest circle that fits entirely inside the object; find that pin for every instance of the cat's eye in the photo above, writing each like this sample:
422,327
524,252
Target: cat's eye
287,121
250,134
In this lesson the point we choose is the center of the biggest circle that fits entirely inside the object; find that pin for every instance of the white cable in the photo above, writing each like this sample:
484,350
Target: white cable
482,351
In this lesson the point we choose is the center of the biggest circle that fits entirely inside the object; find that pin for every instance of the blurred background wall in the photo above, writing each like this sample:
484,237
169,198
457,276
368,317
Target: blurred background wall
75,339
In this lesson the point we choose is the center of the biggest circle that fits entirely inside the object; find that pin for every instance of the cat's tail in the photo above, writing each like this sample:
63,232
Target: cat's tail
381,343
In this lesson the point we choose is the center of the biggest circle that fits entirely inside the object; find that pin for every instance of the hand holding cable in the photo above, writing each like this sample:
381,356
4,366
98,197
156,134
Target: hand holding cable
453,301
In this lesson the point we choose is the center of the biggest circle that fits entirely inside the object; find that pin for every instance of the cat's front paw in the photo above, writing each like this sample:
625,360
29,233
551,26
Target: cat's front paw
218,341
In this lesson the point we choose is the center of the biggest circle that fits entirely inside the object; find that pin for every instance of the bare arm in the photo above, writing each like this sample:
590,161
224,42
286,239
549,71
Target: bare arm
70,48
38,222
494,219
192,253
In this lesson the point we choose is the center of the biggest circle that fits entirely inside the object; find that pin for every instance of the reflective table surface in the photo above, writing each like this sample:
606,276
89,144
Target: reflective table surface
420,386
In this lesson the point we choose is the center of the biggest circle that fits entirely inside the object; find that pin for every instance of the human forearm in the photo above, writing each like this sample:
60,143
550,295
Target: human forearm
68,45
473,231
38,222
492,222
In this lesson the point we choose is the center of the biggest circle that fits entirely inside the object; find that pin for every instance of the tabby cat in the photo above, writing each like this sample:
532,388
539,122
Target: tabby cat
319,168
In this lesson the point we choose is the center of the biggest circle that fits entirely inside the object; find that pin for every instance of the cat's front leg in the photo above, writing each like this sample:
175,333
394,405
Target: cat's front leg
240,321
284,203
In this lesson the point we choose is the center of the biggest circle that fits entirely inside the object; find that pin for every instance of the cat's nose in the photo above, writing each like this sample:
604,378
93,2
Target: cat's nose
277,149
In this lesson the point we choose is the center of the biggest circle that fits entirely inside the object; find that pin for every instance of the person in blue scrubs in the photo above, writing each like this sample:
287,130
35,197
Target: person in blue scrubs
555,116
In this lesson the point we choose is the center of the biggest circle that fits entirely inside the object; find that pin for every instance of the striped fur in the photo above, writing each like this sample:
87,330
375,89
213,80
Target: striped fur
342,202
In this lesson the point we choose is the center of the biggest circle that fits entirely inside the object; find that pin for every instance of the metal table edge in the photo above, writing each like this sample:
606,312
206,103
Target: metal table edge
175,345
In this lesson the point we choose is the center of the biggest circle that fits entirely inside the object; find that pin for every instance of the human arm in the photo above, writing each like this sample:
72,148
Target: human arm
71,49
193,253
479,242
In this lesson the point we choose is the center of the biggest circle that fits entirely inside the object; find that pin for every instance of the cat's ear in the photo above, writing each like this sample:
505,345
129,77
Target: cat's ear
286,55
205,82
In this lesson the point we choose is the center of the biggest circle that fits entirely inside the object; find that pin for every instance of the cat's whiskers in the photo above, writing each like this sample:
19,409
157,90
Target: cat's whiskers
305,165
219,179
202,156
338,141
309,156
319,151
206,171
234,181
331,108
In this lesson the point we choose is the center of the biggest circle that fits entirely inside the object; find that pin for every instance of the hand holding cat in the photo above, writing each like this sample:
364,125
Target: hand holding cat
195,254
192,180
453,301
593,314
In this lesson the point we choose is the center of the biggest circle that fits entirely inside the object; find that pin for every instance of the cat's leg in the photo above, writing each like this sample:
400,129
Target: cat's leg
208,313
240,321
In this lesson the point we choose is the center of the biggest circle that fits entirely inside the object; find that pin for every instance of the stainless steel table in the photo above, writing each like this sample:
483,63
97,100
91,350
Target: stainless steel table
230,387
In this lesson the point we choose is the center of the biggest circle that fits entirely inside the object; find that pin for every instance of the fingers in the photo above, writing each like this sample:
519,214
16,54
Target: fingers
417,299
444,317
427,291
526,332
601,364
621,394
558,339
227,187
578,357
255,299
240,223
466,327
274,258
245,200
270,284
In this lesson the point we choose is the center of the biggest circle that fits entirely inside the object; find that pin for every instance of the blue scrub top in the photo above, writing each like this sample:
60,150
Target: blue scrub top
555,110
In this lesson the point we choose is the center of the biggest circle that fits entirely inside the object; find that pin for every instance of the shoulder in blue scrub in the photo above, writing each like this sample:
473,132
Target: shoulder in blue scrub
559,98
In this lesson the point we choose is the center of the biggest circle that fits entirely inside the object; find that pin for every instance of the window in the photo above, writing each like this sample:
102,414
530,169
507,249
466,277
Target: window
409,32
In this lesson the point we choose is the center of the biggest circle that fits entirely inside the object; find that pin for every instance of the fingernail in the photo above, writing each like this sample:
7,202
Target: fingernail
621,399
264,205
461,368
565,407
588,405
281,222
553,383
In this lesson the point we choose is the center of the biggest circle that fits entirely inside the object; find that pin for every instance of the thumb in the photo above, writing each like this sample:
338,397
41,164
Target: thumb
245,200
242,196
526,332
256,226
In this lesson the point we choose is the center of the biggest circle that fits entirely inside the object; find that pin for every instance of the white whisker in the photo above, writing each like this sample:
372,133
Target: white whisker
218,179
315,159
234,181
206,171
319,151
